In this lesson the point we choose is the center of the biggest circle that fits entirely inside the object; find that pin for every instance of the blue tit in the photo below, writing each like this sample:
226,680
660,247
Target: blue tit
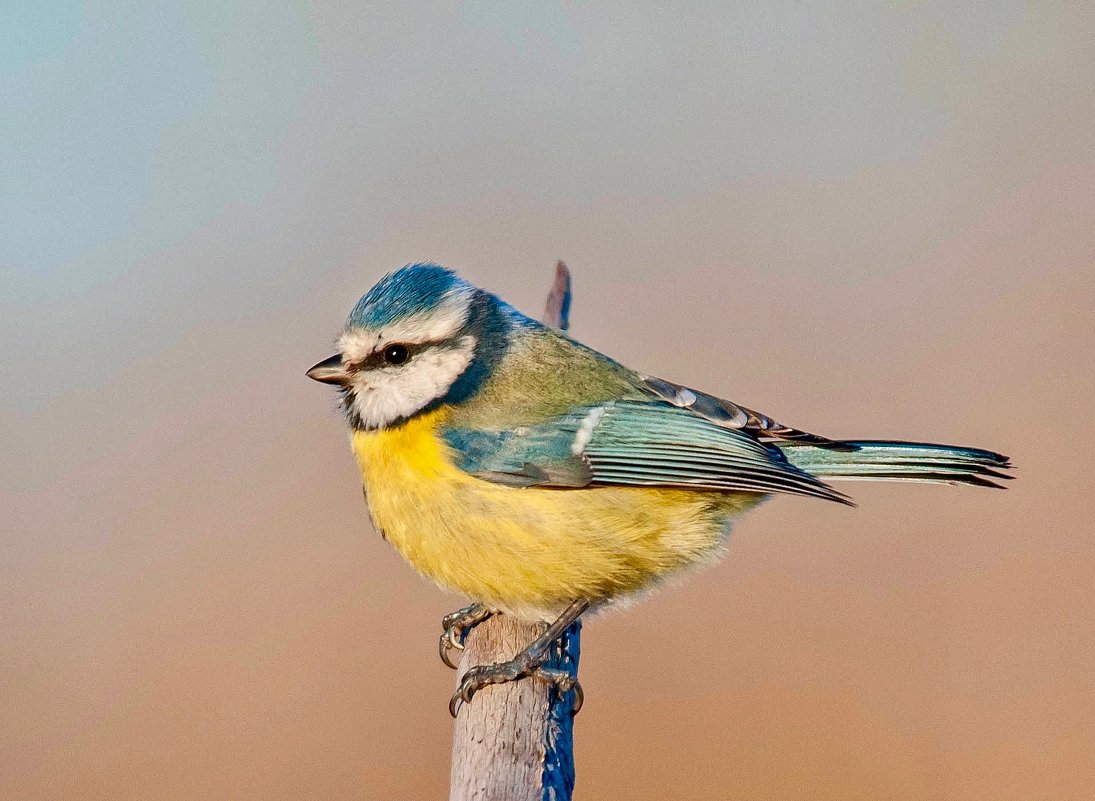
512,464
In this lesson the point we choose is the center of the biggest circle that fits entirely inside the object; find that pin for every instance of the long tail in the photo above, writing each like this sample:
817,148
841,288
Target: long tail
900,461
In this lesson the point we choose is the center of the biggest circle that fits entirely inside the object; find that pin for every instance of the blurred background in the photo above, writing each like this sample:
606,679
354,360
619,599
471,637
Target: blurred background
866,219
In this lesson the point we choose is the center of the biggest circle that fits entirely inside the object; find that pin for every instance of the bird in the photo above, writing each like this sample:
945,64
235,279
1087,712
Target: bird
540,478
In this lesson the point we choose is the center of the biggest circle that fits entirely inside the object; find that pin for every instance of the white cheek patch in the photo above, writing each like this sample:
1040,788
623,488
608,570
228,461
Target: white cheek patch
388,394
440,324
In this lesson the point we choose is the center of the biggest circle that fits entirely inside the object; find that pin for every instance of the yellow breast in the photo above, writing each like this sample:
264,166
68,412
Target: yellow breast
529,550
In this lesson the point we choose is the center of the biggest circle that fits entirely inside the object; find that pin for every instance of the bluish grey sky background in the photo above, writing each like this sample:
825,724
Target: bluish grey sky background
867,219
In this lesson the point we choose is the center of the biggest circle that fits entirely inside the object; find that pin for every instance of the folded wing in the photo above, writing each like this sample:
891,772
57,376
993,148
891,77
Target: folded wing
633,442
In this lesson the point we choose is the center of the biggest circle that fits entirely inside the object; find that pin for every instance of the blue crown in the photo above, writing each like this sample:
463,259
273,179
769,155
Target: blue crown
409,290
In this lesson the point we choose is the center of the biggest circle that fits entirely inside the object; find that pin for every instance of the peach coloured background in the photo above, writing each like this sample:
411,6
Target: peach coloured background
866,219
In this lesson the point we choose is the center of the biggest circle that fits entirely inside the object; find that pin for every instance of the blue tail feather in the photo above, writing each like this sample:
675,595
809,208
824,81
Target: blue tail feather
882,460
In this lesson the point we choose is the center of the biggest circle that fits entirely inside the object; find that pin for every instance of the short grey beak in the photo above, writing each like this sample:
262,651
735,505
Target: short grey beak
330,371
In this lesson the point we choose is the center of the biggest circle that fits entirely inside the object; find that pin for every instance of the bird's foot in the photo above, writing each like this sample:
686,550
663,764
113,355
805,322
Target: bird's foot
457,625
526,664
529,662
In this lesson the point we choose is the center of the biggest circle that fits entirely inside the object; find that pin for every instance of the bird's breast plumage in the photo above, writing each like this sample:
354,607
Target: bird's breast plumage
530,550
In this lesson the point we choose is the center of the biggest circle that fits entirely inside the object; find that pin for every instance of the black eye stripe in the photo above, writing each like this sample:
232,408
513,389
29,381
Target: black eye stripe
377,359
380,357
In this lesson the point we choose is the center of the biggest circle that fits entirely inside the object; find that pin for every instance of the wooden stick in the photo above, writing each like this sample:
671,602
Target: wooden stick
514,742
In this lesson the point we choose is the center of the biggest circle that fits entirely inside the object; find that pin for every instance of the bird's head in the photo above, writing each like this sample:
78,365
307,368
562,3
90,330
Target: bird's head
422,336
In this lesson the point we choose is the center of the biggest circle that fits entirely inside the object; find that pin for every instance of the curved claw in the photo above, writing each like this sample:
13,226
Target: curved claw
452,637
456,626
443,646
481,676
460,697
579,698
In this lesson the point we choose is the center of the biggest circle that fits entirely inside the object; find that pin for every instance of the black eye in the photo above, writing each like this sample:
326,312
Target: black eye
396,354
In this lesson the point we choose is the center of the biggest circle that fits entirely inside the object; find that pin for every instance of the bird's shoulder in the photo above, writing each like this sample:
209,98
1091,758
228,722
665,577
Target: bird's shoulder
541,375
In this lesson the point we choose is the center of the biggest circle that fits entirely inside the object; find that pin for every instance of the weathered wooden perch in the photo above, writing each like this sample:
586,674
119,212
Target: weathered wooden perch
514,742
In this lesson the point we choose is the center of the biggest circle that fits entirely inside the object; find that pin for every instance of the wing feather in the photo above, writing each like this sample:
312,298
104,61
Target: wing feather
732,415
634,442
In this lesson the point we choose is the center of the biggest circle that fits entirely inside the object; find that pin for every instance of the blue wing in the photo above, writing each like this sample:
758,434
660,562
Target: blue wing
632,442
